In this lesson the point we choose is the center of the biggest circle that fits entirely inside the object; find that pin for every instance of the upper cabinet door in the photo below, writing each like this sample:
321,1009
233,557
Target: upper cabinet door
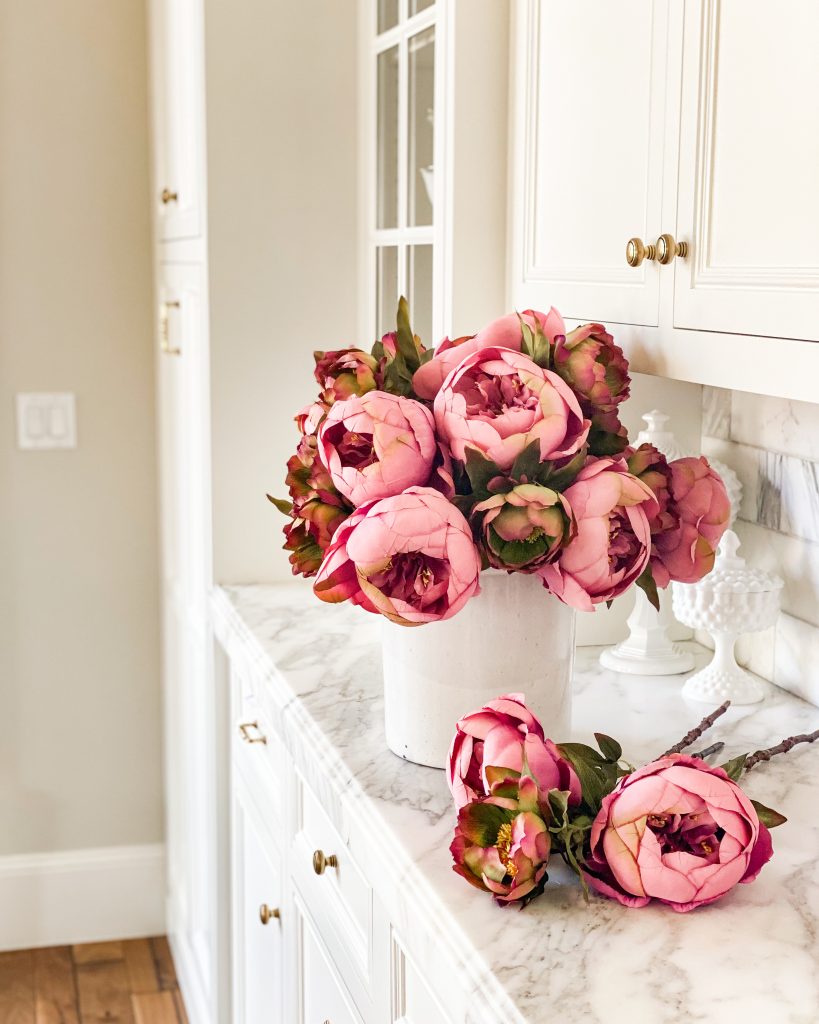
587,148
749,169
178,110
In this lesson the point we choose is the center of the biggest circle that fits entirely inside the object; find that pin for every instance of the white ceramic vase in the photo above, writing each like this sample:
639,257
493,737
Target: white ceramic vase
514,637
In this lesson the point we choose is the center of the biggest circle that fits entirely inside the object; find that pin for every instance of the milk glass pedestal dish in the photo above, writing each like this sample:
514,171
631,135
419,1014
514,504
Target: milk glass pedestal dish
514,637
729,601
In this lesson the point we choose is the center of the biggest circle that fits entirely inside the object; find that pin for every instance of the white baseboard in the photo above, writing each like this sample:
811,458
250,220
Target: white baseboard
55,899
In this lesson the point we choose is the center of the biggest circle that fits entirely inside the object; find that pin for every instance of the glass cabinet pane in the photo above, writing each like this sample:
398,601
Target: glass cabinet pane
419,5
386,290
421,101
387,140
420,291
387,14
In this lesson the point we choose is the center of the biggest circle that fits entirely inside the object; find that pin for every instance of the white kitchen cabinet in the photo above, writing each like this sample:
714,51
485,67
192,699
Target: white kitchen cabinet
648,119
178,117
749,166
590,82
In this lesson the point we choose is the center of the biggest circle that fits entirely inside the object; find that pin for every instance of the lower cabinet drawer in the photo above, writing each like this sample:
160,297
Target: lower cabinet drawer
322,997
335,891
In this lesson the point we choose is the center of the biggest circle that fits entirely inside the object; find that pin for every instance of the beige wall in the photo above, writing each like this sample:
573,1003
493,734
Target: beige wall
282,223
79,691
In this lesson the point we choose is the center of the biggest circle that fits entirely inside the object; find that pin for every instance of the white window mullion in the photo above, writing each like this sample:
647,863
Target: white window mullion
403,138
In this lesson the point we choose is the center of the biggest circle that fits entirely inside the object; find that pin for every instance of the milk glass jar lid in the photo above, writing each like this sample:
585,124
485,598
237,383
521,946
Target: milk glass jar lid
731,574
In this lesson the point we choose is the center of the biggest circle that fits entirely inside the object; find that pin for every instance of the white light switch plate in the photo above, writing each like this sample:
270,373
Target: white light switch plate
46,421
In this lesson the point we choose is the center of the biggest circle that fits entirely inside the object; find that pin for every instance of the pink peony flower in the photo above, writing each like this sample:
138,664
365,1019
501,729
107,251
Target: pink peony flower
613,543
524,528
678,831
498,736
504,332
410,557
596,369
686,551
499,402
344,373
377,444
502,842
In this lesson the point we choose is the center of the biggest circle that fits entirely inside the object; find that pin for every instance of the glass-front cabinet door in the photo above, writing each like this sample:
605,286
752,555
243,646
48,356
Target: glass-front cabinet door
400,109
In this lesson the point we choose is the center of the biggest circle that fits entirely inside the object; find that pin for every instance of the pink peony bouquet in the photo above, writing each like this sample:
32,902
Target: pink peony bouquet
416,469
678,830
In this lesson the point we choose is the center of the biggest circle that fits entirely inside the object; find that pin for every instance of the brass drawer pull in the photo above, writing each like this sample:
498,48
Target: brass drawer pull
321,862
168,197
266,914
244,729
165,328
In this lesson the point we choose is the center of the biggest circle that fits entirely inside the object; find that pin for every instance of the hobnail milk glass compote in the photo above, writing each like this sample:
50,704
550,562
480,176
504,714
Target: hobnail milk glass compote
728,602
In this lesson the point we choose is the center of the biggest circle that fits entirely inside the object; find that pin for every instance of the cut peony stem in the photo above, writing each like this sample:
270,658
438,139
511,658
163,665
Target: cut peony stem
715,748
780,748
698,730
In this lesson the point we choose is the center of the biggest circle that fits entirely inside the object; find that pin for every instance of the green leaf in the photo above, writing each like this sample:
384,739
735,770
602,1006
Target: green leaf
559,803
611,749
526,466
648,585
604,442
480,471
281,504
769,817
734,768
560,479
593,782
405,339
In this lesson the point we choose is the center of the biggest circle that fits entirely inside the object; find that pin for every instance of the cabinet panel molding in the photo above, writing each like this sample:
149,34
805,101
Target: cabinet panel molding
749,162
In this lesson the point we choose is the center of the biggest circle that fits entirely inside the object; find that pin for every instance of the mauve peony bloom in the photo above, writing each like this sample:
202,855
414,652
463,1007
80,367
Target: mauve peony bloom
502,842
344,373
596,369
678,831
377,444
686,551
499,402
410,557
505,332
612,509
524,528
498,736
317,511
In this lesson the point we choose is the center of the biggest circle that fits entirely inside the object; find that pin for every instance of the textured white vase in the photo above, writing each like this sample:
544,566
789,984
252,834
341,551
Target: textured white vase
513,638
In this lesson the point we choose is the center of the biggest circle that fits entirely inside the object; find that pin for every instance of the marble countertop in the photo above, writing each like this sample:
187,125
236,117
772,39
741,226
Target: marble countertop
754,956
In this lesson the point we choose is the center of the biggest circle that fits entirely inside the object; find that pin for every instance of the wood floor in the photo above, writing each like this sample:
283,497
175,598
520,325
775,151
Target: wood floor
128,982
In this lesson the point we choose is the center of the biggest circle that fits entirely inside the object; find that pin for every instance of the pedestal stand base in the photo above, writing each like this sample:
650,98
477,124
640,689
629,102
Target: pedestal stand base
670,662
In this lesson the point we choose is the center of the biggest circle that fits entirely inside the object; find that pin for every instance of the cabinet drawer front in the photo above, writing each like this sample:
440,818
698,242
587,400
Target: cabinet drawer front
257,922
322,997
339,897
412,999
258,752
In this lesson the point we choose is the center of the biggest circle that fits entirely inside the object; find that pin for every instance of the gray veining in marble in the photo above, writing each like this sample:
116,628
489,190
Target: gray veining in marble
752,957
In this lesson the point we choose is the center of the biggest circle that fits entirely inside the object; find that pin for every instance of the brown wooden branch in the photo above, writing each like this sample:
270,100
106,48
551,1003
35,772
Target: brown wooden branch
780,748
715,748
698,730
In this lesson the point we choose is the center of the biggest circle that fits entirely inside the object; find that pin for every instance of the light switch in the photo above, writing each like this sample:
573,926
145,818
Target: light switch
46,421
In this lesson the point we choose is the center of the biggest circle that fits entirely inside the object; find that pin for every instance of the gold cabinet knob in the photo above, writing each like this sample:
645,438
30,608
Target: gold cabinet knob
266,914
168,197
248,737
321,862
667,249
637,251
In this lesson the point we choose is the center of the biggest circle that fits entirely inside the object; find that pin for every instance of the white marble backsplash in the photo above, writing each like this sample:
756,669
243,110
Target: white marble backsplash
773,446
